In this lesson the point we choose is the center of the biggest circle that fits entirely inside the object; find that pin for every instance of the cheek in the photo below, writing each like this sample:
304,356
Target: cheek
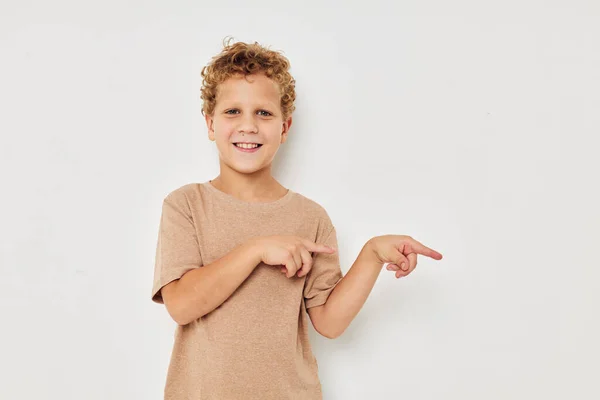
272,131
223,131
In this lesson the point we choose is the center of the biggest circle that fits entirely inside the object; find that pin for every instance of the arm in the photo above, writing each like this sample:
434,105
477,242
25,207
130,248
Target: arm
347,298
203,289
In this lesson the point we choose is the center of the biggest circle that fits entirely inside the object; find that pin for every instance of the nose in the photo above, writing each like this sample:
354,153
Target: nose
248,124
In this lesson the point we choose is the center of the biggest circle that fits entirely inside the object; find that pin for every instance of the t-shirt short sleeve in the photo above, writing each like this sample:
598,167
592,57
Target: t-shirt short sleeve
325,272
177,248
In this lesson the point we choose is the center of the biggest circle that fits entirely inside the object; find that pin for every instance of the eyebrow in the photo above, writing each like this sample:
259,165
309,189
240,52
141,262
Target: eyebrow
268,105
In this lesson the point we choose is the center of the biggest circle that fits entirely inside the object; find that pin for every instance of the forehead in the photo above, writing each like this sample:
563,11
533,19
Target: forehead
251,88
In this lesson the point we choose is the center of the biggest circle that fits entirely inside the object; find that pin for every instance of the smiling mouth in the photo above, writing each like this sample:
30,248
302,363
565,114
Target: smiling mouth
248,150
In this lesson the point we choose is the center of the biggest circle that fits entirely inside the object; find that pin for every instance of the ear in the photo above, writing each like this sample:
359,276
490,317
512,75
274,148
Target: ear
210,125
285,128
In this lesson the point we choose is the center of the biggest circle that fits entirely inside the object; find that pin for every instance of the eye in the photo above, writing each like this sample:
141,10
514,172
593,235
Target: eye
228,111
267,114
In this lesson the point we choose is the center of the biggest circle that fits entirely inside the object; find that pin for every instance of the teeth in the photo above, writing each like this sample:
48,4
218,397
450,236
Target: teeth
247,145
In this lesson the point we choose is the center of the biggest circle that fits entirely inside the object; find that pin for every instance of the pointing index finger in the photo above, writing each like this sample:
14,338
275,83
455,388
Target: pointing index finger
319,248
426,251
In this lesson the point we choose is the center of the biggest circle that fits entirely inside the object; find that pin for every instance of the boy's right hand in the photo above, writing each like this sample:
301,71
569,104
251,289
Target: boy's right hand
292,252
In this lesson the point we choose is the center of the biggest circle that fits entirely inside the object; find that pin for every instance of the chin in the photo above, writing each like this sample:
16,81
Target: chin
246,169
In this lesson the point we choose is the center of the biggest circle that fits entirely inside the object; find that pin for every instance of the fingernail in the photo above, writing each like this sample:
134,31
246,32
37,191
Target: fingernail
404,267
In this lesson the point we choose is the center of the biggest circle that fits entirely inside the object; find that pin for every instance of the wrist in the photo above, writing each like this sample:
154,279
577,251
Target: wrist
255,250
369,254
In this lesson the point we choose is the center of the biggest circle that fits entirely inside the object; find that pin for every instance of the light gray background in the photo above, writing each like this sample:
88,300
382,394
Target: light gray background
471,126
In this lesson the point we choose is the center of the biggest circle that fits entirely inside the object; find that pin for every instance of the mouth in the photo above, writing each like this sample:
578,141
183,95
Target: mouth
247,147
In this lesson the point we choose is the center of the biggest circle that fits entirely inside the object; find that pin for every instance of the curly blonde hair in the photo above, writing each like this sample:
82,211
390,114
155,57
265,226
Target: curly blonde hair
245,58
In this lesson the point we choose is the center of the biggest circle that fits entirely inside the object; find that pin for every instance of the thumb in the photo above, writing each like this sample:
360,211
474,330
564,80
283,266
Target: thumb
402,262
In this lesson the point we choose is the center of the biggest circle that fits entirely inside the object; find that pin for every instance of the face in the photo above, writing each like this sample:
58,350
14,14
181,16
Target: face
248,110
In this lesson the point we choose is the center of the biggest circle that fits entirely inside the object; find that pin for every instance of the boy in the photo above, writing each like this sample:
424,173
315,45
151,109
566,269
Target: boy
242,262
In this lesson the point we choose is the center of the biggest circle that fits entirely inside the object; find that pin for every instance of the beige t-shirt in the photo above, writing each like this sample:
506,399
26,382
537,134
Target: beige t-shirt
255,345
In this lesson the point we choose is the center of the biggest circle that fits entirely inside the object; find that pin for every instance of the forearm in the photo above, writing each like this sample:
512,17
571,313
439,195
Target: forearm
350,294
201,290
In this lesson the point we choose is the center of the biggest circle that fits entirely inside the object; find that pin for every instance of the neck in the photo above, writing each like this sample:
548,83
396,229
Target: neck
259,186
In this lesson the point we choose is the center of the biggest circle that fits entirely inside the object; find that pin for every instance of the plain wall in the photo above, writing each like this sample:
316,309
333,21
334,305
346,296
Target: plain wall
470,126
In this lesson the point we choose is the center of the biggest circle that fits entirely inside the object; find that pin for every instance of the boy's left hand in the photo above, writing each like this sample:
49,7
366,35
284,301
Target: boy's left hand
397,250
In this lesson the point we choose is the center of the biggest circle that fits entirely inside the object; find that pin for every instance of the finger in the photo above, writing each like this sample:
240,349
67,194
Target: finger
398,272
392,267
412,260
317,248
298,259
306,262
422,249
291,266
402,261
